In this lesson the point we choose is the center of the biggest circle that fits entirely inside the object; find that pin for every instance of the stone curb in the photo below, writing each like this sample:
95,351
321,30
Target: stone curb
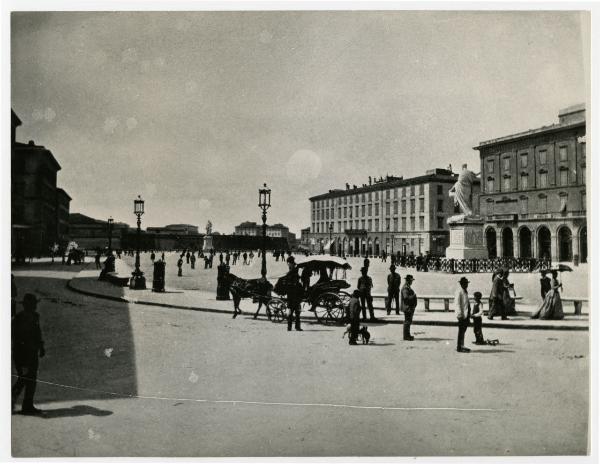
500,325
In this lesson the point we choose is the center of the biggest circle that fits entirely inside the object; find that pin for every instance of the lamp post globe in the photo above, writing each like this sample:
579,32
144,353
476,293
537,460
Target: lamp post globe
138,281
264,203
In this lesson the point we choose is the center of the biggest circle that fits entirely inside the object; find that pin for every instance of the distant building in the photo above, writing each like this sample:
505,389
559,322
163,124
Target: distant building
391,213
92,234
176,236
275,230
181,229
39,209
533,196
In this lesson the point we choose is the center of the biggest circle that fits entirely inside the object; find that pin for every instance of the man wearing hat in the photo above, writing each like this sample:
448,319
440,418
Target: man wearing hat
294,292
463,313
27,344
365,284
393,281
497,295
408,305
354,313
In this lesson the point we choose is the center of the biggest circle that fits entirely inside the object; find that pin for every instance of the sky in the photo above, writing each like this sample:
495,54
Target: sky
194,111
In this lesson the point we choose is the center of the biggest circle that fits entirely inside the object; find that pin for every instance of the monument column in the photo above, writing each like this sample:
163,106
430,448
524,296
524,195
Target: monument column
499,248
516,242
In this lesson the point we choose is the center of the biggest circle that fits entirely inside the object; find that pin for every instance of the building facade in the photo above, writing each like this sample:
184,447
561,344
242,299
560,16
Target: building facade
389,214
92,234
39,209
275,230
533,194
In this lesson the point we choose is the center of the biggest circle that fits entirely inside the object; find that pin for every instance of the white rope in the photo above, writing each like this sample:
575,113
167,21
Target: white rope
270,403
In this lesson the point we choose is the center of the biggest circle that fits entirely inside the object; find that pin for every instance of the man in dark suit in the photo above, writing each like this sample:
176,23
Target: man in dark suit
408,305
393,281
294,293
27,344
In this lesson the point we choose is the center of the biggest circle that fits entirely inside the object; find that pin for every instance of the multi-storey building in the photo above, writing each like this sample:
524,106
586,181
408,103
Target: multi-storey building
254,229
391,213
533,196
39,209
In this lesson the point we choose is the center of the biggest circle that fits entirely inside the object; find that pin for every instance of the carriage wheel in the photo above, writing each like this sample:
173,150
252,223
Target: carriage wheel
329,309
278,310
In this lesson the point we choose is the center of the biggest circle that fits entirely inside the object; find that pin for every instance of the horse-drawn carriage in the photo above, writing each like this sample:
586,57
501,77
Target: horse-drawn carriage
326,298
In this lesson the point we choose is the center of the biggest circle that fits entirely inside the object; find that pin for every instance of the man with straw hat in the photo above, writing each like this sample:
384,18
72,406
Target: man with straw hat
463,313
408,305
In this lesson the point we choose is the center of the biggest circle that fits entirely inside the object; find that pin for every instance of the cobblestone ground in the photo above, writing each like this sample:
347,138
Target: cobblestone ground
426,283
133,380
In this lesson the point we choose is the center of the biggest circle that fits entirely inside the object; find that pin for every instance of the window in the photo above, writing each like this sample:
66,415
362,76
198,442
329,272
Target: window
395,224
543,179
387,208
440,222
369,224
340,212
490,185
370,209
440,205
339,226
523,205
421,223
356,223
376,225
524,160
377,195
564,177
583,201
370,195
362,224
412,206
543,204
387,224
356,211
412,190
421,205
363,197
387,194
403,191
562,154
440,190
421,189
403,206
403,224
490,207
345,211
506,164
396,193
543,157
490,165
395,207
412,223
363,210
506,185
563,202
524,182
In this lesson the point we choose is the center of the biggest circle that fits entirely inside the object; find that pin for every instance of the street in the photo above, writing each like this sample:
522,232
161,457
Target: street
134,380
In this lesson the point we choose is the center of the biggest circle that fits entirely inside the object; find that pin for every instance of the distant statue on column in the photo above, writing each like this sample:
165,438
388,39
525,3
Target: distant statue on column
208,228
462,193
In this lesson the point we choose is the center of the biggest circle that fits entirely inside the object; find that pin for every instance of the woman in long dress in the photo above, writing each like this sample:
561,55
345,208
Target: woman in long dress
552,306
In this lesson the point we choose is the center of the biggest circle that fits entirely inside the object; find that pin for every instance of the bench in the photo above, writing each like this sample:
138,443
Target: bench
445,298
116,279
577,303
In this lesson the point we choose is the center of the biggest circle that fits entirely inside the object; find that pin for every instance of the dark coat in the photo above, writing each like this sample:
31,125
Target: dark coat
26,337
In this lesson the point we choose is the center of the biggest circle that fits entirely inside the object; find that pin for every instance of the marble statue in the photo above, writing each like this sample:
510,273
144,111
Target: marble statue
462,193
208,228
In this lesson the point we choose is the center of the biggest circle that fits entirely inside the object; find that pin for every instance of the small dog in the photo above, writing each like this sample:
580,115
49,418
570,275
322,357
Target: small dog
363,334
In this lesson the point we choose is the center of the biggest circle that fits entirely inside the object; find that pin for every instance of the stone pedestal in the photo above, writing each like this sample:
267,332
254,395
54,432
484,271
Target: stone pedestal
466,239
207,245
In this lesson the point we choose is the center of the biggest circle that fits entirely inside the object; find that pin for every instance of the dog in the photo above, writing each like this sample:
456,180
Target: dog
363,334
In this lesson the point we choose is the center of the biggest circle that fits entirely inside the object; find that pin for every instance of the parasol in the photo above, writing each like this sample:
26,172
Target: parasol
328,261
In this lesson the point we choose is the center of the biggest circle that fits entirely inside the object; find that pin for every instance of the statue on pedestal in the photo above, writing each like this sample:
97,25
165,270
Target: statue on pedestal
208,228
462,193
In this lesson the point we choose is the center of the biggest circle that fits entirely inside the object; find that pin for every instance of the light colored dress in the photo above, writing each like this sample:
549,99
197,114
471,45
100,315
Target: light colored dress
552,306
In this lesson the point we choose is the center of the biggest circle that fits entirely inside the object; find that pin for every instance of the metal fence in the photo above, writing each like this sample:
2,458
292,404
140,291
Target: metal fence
470,266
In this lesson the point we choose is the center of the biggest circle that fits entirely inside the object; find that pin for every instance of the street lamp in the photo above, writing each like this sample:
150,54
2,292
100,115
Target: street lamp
110,226
264,203
330,232
138,281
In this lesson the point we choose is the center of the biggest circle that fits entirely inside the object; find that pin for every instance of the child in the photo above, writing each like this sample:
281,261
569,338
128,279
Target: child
476,315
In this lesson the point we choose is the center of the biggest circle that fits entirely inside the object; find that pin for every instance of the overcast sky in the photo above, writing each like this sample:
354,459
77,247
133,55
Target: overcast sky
194,111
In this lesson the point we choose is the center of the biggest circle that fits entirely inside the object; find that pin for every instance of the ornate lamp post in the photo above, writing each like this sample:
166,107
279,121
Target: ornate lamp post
264,203
110,226
138,281
330,232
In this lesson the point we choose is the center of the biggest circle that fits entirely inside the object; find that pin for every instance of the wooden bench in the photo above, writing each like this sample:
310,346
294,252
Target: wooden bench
116,279
445,298
577,303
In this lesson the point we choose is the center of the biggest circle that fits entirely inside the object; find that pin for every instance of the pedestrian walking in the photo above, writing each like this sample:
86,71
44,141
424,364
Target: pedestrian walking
365,284
245,256
408,303
97,259
366,263
497,296
152,256
179,267
551,307
27,347
163,256
476,316
193,261
251,257
354,315
393,282
463,313
227,258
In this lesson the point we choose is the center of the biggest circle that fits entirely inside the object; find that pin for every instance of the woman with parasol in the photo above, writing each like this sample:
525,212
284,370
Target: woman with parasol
552,306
